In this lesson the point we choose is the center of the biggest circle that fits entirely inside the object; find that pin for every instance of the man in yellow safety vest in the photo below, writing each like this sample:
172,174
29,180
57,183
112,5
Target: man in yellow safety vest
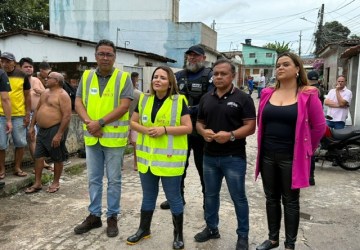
102,102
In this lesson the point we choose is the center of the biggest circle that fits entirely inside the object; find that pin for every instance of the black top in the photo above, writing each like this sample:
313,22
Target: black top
227,113
279,127
4,82
157,105
194,85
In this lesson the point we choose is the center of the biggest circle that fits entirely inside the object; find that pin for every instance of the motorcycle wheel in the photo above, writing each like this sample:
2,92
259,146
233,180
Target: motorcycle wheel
349,157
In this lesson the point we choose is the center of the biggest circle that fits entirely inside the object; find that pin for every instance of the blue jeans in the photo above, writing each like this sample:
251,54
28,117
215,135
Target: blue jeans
335,125
98,160
171,186
18,133
233,168
259,89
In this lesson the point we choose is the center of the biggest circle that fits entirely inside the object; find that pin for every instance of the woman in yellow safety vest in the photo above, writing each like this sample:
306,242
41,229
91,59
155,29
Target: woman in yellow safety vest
162,121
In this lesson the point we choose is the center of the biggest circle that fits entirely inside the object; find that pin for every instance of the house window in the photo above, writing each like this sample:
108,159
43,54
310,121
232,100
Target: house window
269,54
256,71
252,55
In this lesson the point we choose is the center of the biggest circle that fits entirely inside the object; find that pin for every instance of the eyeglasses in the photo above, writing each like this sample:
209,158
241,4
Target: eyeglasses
103,55
49,77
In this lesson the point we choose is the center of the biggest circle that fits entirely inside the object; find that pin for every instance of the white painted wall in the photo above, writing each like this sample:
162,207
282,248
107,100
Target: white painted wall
41,48
90,19
149,26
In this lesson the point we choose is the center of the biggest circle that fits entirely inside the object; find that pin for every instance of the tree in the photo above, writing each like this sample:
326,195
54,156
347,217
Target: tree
17,14
280,48
354,36
329,33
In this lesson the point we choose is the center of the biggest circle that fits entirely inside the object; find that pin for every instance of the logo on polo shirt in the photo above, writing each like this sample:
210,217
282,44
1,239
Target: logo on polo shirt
233,104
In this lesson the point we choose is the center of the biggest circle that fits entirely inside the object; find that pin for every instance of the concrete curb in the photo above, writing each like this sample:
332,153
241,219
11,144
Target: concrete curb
14,184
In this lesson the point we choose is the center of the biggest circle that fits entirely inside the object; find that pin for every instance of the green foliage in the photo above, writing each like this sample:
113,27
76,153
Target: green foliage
279,47
354,36
45,178
75,170
17,14
329,33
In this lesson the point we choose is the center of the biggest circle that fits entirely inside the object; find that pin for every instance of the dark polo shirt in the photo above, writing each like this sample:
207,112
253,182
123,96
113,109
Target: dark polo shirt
227,113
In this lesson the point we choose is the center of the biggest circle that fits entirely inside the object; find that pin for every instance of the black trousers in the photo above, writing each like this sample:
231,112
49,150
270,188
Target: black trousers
276,174
312,167
196,144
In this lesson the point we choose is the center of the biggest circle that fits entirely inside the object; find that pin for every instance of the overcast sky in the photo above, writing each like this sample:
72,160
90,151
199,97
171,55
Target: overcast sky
269,20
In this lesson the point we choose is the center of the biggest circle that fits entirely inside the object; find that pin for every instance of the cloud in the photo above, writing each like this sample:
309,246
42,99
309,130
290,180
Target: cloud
209,10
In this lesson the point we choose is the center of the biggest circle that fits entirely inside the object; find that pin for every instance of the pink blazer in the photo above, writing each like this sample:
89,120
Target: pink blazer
310,128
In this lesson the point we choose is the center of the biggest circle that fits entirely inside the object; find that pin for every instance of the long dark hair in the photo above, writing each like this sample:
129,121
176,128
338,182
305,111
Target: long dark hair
173,88
302,78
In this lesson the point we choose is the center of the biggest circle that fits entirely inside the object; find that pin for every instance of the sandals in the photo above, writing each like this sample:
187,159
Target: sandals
32,190
52,189
49,167
20,173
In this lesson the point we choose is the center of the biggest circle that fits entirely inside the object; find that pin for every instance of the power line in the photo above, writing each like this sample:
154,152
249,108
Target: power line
341,7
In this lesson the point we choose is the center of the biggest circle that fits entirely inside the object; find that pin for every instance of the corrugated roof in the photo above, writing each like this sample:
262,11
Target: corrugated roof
350,52
342,43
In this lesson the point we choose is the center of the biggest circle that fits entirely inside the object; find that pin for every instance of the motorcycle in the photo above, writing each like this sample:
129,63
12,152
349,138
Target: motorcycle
340,146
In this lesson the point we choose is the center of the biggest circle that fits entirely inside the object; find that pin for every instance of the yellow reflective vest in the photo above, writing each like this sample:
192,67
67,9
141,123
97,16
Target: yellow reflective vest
164,155
115,134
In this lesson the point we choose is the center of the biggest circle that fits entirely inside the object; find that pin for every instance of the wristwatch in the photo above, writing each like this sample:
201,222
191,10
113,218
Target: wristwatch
232,136
102,122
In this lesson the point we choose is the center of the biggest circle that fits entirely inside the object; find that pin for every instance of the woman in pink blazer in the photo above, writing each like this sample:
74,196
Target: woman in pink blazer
290,125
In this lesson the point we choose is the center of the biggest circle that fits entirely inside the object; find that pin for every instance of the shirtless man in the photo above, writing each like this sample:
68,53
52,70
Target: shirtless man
37,88
52,115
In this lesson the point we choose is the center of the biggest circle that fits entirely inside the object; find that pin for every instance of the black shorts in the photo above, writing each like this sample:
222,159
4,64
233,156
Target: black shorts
43,144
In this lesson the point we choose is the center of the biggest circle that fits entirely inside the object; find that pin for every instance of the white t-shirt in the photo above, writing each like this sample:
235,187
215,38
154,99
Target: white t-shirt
339,114
262,82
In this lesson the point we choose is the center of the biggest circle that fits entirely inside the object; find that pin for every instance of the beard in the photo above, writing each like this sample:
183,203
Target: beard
194,67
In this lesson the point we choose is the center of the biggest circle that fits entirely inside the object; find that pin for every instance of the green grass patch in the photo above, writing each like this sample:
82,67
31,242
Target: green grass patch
45,178
74,170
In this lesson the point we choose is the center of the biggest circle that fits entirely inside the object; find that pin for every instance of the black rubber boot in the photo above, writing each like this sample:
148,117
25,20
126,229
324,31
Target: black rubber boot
144,229
178,231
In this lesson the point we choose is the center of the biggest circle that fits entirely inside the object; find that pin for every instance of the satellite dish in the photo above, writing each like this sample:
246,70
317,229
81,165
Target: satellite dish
238,58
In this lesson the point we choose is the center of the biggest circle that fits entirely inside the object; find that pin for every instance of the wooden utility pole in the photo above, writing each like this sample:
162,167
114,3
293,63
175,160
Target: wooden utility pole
213,25
319,38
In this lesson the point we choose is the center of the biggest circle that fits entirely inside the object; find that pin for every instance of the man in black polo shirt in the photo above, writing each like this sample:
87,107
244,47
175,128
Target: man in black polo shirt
226,117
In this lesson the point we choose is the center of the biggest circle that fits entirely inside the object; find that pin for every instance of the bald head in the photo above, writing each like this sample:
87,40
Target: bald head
56,76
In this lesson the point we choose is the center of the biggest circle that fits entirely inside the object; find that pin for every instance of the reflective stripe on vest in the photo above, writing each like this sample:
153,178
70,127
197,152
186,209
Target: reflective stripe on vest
115,134
164,160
